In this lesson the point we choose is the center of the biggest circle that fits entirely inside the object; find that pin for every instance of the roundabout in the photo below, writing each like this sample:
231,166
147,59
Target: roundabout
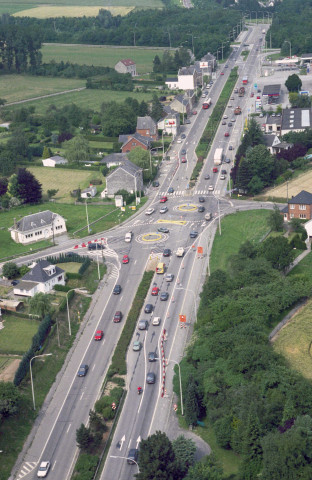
186,207
152,237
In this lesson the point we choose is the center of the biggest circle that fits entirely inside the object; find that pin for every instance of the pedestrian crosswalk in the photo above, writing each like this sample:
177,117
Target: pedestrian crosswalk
188,193
26,469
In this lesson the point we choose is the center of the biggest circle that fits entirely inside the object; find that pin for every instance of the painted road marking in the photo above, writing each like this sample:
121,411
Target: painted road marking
174,222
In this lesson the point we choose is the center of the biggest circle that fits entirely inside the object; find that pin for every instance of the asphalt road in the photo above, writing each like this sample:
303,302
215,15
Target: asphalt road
69,402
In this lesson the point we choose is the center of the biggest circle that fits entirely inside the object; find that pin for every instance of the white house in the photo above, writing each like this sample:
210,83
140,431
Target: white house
41,278
170,124
89,192
126,66
308,227
187,78
52,161
172,83
38,226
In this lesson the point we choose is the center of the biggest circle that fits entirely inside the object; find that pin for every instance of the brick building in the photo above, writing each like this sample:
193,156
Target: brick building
299,206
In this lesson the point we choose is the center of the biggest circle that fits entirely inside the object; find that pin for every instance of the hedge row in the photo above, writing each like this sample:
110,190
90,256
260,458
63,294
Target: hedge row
118,364
36,345
84,266
86,466
103,406
65,259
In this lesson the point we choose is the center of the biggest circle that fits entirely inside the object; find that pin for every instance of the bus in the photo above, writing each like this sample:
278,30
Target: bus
245,80
207,104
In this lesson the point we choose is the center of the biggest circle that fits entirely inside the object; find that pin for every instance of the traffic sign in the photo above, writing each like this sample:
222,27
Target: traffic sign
182,318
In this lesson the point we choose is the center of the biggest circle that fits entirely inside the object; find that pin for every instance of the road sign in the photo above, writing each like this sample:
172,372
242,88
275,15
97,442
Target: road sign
182,318
255,85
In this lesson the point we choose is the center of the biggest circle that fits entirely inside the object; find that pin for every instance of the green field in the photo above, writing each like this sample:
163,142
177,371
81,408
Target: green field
294,341
21,4
65,180
21,87
304,266
237,228
15,337
104,56
88,99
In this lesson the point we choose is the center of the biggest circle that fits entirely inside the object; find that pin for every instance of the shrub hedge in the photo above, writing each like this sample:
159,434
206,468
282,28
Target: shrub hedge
36,344
118,364
86,466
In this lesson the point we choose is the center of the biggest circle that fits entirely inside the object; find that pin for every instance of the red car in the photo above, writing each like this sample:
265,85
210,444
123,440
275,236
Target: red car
163,199
258,97
117,317
125,259
194,112
99,335
226,134
215,170
222,73
155,291
183,159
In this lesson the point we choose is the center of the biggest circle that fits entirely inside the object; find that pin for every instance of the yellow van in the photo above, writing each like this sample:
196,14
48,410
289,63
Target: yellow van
160,268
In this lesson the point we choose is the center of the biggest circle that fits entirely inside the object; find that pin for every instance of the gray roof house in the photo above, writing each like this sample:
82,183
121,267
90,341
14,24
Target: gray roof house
146,127
41,278
134,140
53,161
38,226
114,159
296,120
125,177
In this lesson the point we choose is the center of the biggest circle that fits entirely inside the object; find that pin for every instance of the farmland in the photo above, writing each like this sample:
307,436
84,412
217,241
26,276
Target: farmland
101,55
52,11
88,99
65,181
15,88
301,182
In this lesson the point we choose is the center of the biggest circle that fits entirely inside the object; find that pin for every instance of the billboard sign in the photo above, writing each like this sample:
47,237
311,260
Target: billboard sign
203,64
170,122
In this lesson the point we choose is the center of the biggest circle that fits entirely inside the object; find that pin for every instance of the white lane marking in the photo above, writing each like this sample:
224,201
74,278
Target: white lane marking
81,396
68,428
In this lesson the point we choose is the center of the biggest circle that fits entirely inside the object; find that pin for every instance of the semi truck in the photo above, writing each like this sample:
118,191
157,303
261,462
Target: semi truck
241,92
217,159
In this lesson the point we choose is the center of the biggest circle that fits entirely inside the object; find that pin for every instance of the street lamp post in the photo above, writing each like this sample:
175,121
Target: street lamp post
126,458
180,381
191,35
31,377
287,41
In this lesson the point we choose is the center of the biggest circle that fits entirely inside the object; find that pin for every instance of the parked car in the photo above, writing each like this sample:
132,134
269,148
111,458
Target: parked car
14,282
194,112
187,121
156,184
99,334
83,370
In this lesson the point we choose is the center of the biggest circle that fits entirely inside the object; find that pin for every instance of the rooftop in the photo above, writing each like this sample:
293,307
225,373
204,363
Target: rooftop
270,90
303,198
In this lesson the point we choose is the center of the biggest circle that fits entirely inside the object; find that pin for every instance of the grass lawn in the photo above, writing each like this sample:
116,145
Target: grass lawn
304,266
53,11
21,87
15,337
294,341
237,228
5,361
101,55
21,4
65,180
71,267
88,99
230,461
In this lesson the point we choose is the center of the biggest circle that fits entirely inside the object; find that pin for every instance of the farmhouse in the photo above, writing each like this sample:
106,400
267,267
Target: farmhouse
125,177
299,206
41,278
126,66
38,226
52,161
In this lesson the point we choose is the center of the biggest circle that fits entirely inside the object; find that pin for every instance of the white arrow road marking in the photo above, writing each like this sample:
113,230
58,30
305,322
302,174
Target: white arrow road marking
122,441
138,442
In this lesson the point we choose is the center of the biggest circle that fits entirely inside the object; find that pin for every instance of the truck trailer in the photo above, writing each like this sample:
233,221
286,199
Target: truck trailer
217,159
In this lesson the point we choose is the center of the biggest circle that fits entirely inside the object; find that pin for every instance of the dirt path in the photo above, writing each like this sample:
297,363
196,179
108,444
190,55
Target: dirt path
9,372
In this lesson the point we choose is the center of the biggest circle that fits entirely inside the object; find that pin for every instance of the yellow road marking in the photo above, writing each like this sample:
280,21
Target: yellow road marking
187,207
175,222
155,237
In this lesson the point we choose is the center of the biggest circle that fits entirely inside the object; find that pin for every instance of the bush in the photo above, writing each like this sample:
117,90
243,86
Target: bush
73,275
119,381
86,466
61,288
84,266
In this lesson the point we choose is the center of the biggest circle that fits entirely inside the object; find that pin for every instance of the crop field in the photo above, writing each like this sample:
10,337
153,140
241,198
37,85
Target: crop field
302,182
15,337
88,99
65,180
294,341
101,55
21,4
15,88
47,11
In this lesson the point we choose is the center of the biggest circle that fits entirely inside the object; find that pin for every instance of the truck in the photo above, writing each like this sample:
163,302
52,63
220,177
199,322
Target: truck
245,80
217,159
241,92
237,111
180,252
207,104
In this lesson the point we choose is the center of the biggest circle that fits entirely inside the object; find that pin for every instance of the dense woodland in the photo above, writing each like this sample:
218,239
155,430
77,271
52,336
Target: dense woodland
258,407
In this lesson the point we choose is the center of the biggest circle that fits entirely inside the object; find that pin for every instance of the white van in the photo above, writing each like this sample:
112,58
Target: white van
128,237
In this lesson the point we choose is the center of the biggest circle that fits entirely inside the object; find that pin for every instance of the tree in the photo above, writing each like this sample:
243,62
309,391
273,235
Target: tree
52,192
40,304
293,83
10,270
83,437
9,399
278,252
251,448
157,111
13,186
156,459
77,150
3,186
191,402
29,189
184,451
142,159
207,469
156,64
46,152
296,225
275,220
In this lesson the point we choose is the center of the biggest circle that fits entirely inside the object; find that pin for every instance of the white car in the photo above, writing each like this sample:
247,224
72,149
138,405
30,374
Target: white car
225,117
156,321
222,177
163,210
169,277
149,211
43,469
210,188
